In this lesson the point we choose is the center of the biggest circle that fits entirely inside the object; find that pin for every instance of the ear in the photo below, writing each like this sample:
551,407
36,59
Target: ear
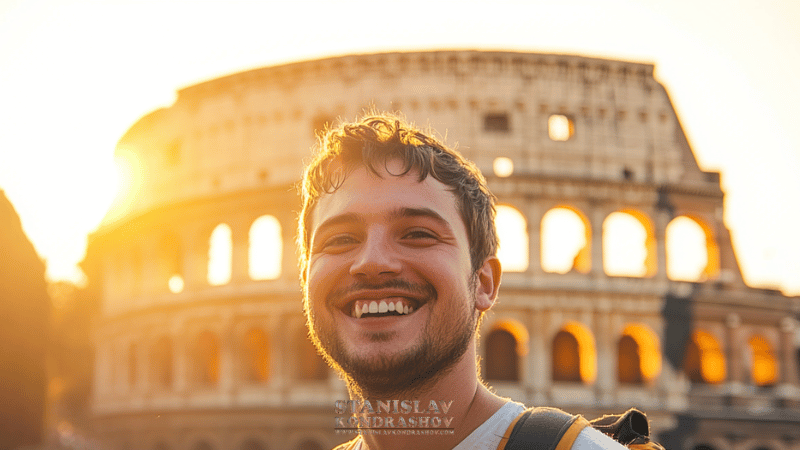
487,283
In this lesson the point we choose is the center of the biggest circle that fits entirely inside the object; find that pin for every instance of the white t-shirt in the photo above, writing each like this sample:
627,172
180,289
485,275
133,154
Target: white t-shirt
488,435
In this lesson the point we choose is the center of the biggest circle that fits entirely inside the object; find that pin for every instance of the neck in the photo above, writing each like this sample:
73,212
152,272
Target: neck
449,409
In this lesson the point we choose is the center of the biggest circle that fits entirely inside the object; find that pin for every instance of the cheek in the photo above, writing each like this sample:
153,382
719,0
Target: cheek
321,278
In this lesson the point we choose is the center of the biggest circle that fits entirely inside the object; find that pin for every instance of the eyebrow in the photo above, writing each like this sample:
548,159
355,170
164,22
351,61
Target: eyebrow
399,213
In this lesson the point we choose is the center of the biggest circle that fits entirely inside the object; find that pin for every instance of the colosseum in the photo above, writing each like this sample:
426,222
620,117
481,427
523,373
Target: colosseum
200,340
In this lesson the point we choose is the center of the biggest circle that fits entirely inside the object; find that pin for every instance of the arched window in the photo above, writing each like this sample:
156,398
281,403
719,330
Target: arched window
310,365
252,444
574,355
133,364
628,361
266,249
764,370
206,359
704,361
161,362
255,356
638,355
692,253
566,358
502,361
310,444
512,230
171,267
220,255
566,238
628,245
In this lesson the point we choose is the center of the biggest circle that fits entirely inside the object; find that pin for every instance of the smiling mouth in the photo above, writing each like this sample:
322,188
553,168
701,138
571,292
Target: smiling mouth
397,306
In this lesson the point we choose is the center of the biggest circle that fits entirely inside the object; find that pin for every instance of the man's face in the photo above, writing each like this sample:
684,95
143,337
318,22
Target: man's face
390,295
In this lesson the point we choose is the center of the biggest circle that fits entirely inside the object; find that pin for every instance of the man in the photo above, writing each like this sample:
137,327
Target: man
398,265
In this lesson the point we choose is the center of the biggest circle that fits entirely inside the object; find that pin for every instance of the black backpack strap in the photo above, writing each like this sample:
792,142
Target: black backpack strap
629,428
542,429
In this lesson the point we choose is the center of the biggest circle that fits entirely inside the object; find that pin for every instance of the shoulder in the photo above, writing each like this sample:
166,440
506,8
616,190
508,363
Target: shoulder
593,439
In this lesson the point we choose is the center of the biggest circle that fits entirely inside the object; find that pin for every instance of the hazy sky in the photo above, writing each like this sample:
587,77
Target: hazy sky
75,75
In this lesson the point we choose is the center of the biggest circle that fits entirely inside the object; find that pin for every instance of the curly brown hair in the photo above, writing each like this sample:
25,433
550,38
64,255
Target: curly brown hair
374,140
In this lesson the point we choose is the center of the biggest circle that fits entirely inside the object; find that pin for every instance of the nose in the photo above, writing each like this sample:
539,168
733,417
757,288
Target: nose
376,256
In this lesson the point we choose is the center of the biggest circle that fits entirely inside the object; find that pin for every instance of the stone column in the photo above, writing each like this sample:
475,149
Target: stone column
597,215
661,219
733,354
786,354
606,383
533,215
195,257
240,254
227,357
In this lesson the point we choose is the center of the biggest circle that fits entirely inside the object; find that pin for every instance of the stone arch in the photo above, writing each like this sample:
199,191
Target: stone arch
255,357
574,355
692,250
763,364
566,240
206,359
161,361
505,346
638,355
704,361
512,229
220,255
629,244
265,252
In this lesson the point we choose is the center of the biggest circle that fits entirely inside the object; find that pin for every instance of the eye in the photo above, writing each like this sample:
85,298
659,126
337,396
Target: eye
337,243
417,234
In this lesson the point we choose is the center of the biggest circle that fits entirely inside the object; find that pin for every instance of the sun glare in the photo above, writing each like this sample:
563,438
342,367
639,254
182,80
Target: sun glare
176,284
129,177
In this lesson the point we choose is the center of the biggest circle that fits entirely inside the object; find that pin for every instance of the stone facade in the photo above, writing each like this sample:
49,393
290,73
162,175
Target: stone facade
184,363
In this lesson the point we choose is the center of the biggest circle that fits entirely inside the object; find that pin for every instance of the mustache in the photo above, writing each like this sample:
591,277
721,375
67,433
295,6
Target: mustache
422,290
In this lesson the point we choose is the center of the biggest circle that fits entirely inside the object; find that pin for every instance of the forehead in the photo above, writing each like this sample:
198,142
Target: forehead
367,195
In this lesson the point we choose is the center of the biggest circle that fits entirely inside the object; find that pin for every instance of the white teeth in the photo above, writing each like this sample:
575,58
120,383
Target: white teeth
381,307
